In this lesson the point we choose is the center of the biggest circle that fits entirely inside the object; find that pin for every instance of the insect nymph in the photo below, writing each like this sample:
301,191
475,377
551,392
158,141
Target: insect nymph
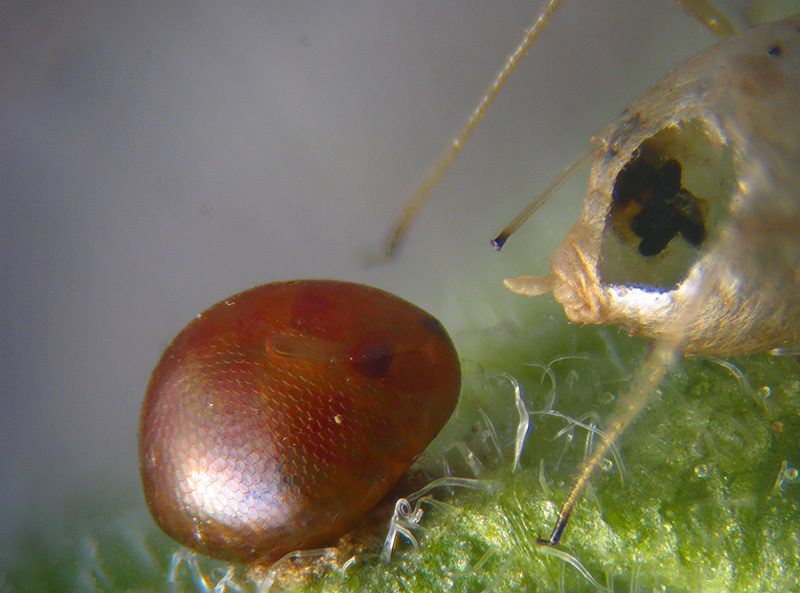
726,120
690,230
725,123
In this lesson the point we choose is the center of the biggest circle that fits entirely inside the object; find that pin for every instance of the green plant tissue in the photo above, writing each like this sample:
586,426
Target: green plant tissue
700,495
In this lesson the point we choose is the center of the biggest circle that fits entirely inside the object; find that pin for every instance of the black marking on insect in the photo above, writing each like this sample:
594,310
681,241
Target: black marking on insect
648,201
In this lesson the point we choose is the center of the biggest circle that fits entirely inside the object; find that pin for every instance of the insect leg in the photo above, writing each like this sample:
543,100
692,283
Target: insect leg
655,366
645,383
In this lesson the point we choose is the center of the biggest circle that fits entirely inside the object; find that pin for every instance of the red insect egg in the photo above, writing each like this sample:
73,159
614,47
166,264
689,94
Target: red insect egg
279,417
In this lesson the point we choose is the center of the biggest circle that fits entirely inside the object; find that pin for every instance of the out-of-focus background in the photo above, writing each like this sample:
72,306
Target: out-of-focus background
158,157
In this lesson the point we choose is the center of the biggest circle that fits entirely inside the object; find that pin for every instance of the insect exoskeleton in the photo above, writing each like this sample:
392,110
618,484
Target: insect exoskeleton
697,184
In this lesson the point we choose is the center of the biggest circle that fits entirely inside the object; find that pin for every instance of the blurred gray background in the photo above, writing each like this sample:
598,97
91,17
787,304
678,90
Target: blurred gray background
158,157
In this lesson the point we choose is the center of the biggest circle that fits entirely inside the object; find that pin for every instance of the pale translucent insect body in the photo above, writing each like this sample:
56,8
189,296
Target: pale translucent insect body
729,117
690,229
690,226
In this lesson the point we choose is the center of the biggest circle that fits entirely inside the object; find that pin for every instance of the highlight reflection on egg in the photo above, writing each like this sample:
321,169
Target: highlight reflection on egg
279,417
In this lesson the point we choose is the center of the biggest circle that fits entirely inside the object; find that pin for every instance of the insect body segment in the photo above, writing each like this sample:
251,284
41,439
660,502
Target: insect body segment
712,151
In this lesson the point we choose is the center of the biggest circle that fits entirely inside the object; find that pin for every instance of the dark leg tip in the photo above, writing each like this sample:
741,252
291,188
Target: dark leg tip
555,535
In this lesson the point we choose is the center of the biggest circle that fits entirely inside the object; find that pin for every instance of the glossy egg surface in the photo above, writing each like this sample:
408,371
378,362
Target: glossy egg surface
279,417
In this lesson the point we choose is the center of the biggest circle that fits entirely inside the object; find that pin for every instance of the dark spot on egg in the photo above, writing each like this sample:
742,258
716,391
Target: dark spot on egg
775,50
435,326
372,359
280,417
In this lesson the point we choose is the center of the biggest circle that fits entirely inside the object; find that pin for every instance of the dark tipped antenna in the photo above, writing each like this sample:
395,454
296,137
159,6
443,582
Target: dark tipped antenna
578,163
422,193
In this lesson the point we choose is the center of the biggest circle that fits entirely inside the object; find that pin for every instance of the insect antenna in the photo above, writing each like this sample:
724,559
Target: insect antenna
708,15
434,175
578,163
